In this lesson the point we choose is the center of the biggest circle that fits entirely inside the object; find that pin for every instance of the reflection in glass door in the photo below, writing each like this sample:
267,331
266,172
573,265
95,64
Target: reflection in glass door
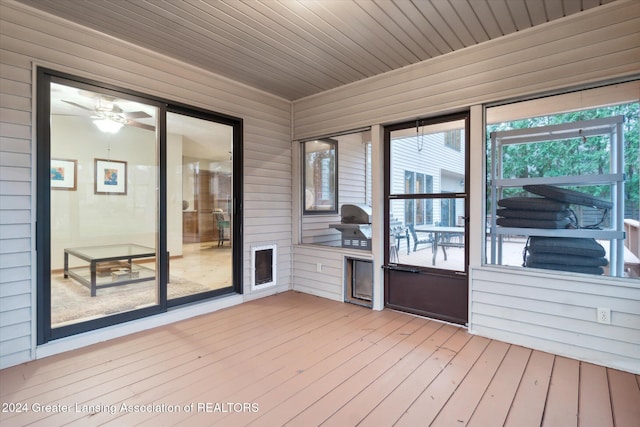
103,204
199,207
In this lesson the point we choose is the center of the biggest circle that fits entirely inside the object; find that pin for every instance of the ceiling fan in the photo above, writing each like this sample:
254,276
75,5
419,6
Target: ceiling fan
109,117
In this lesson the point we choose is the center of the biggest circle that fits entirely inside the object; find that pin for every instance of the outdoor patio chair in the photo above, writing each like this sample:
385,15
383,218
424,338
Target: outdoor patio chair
418,241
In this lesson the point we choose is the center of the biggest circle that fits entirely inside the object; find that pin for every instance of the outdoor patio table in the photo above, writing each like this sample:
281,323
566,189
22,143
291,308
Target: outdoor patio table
438,233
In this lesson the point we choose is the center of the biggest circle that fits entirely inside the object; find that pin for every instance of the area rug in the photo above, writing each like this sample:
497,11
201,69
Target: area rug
72,302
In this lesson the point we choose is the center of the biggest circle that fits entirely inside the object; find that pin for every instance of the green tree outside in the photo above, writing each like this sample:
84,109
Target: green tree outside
577,156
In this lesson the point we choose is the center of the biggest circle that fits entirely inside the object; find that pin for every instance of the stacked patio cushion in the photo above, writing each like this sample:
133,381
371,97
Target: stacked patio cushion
549,209
568,196
533,212
579,255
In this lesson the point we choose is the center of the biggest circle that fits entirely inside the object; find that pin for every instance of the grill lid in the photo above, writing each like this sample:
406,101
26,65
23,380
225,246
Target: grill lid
355,214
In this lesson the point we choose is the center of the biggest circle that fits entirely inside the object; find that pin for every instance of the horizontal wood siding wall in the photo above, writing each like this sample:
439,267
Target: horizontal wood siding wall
29,37
556,314
329,281
351,168
316,231
598,44
16,207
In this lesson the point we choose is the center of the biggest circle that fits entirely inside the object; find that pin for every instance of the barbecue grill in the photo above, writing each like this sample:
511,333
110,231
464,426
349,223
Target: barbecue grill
355,226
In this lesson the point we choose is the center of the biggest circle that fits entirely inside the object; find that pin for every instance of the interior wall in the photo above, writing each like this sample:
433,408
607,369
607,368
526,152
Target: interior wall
76,224
174,195
601,44
30,38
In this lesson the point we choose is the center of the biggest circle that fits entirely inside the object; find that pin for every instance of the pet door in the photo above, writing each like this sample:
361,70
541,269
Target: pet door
359,281
263,267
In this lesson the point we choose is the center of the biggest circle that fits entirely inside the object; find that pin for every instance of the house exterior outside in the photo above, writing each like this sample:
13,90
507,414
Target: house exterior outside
600,45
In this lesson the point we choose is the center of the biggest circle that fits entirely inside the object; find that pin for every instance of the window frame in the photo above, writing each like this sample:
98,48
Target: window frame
578,101
418,183
452,139
333,177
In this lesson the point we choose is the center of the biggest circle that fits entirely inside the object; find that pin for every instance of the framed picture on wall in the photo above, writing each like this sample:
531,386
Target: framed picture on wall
64,174
111,176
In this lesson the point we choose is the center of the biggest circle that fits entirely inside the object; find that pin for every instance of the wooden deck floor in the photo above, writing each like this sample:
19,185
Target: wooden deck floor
298,360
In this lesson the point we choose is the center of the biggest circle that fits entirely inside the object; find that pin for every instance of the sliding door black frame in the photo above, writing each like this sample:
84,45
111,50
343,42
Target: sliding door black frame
236,213
45,77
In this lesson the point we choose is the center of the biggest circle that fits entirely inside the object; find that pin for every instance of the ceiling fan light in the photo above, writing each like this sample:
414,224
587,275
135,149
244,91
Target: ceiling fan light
107,125
103,104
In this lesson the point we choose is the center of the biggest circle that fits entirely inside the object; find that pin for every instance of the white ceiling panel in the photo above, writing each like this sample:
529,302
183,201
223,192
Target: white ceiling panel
296,48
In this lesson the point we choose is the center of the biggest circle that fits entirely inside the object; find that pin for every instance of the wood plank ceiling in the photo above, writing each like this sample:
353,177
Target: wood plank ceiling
296,48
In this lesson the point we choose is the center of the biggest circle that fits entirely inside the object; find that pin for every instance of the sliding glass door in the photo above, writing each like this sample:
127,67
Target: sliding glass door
200,222
103,204
135,205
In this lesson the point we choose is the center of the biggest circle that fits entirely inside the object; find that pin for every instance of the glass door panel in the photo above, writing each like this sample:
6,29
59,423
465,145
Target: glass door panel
199,207
428,159
434,244
427,194
426,211
103,204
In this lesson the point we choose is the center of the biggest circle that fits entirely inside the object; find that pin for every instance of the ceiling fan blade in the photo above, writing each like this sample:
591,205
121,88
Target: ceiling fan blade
137,115
78,105
141,125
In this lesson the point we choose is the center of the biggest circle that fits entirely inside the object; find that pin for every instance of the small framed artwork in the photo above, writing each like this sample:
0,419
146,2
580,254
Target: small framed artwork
64,174
111,176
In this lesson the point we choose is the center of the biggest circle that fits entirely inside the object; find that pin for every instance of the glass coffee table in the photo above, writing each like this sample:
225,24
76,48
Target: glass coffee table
109,265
